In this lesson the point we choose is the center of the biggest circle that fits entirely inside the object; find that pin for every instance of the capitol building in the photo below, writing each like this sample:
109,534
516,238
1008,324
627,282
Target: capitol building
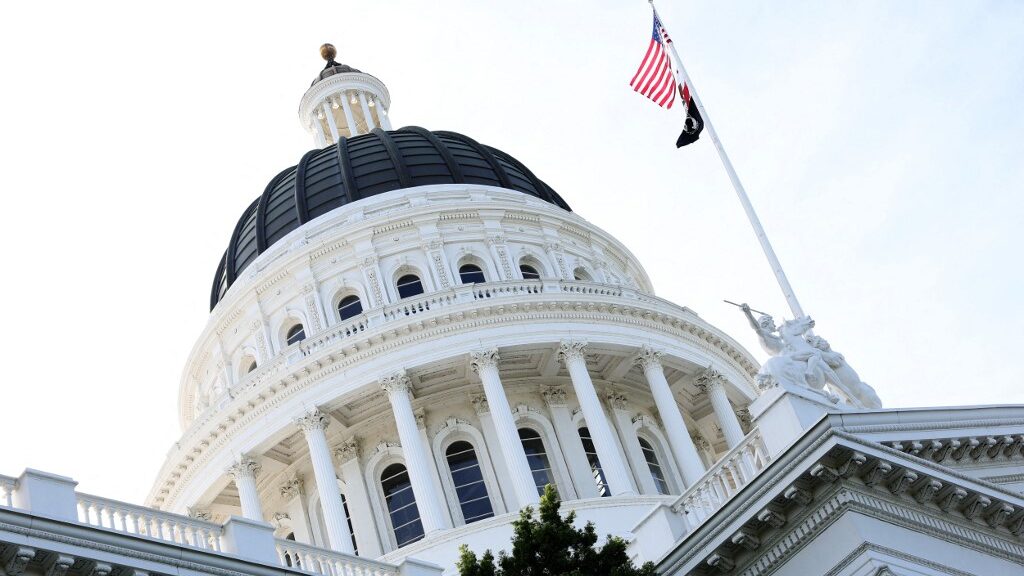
411,335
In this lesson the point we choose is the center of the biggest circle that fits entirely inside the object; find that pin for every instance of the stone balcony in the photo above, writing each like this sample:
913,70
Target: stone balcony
46,527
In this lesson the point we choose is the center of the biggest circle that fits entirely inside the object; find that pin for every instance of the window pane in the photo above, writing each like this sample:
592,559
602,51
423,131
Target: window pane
349,307
652,462
296,334
409,285
529,272
537,457
595,463
469,482
348,520
405,517
470,274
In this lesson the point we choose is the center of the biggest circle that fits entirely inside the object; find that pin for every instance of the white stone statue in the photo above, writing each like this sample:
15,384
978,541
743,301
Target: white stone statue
808,361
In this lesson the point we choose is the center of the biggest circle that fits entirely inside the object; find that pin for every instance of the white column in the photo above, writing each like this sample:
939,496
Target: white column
330,119
679,439
417,461
615,470
712,382
318,133
314,425
352,128
382,114
244,472
623,421
363,521
435,474
485,363
370,125
498,462
572,448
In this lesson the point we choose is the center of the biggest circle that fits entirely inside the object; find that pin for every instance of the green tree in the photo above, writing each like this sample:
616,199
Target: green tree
551,546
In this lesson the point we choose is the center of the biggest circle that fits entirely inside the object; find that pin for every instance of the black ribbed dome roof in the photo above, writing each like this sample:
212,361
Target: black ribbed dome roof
365,166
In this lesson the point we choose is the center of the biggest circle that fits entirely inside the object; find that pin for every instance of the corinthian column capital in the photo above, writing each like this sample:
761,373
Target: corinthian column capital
481,359
347,450
648,358
245,467
572,350
313,420
397,382
708,379
554,396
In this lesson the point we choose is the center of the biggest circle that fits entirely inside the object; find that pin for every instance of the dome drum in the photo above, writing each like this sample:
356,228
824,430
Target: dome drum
360,167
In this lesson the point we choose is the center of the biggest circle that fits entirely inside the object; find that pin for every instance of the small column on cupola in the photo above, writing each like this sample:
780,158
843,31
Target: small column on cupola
343,102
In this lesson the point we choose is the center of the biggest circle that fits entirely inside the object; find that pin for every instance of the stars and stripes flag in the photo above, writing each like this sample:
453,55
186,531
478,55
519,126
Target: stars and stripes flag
654,78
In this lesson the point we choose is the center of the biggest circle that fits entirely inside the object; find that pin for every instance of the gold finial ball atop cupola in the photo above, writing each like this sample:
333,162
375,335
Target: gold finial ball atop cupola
328,52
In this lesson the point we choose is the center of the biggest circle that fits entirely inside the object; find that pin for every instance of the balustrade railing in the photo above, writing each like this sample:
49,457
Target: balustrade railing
7,486
327,562
722,481
142,521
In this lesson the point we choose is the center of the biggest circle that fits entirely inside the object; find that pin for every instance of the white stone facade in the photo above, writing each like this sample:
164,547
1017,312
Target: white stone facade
403,374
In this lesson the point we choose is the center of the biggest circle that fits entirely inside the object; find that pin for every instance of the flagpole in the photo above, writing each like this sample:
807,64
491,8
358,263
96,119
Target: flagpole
755,222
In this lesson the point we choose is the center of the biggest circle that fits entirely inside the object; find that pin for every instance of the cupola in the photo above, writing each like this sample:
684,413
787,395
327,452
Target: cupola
343,102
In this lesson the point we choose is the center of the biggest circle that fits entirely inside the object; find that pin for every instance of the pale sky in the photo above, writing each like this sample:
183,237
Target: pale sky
879,141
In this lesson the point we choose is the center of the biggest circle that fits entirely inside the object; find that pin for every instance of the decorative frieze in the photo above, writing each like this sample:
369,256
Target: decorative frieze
203,514
572,350
708,378
554,395
58,564
481,359
280,518
292,488
16,559
480,405
396,382
246,467
314,419
617,400
347,450
648,358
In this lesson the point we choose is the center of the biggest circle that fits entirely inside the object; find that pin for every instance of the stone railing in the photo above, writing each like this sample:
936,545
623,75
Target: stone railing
142,521
327,562
7,486
466,293
722,481
52,496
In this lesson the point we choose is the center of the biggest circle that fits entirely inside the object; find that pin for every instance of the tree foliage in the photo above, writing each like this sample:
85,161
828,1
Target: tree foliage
551,546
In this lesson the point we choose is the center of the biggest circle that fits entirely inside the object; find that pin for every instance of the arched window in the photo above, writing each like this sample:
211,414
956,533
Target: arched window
350,307
295,334
469,481
529,272
595,464
652,463
470,274
409,285
582,275
537,456
251,367
405,516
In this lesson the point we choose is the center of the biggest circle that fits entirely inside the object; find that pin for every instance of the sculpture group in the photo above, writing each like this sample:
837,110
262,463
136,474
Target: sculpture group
803,359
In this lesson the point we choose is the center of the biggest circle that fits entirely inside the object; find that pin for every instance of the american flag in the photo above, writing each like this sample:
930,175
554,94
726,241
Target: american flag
654,78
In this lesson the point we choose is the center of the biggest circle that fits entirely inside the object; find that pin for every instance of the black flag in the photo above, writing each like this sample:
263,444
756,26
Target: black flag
694,124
